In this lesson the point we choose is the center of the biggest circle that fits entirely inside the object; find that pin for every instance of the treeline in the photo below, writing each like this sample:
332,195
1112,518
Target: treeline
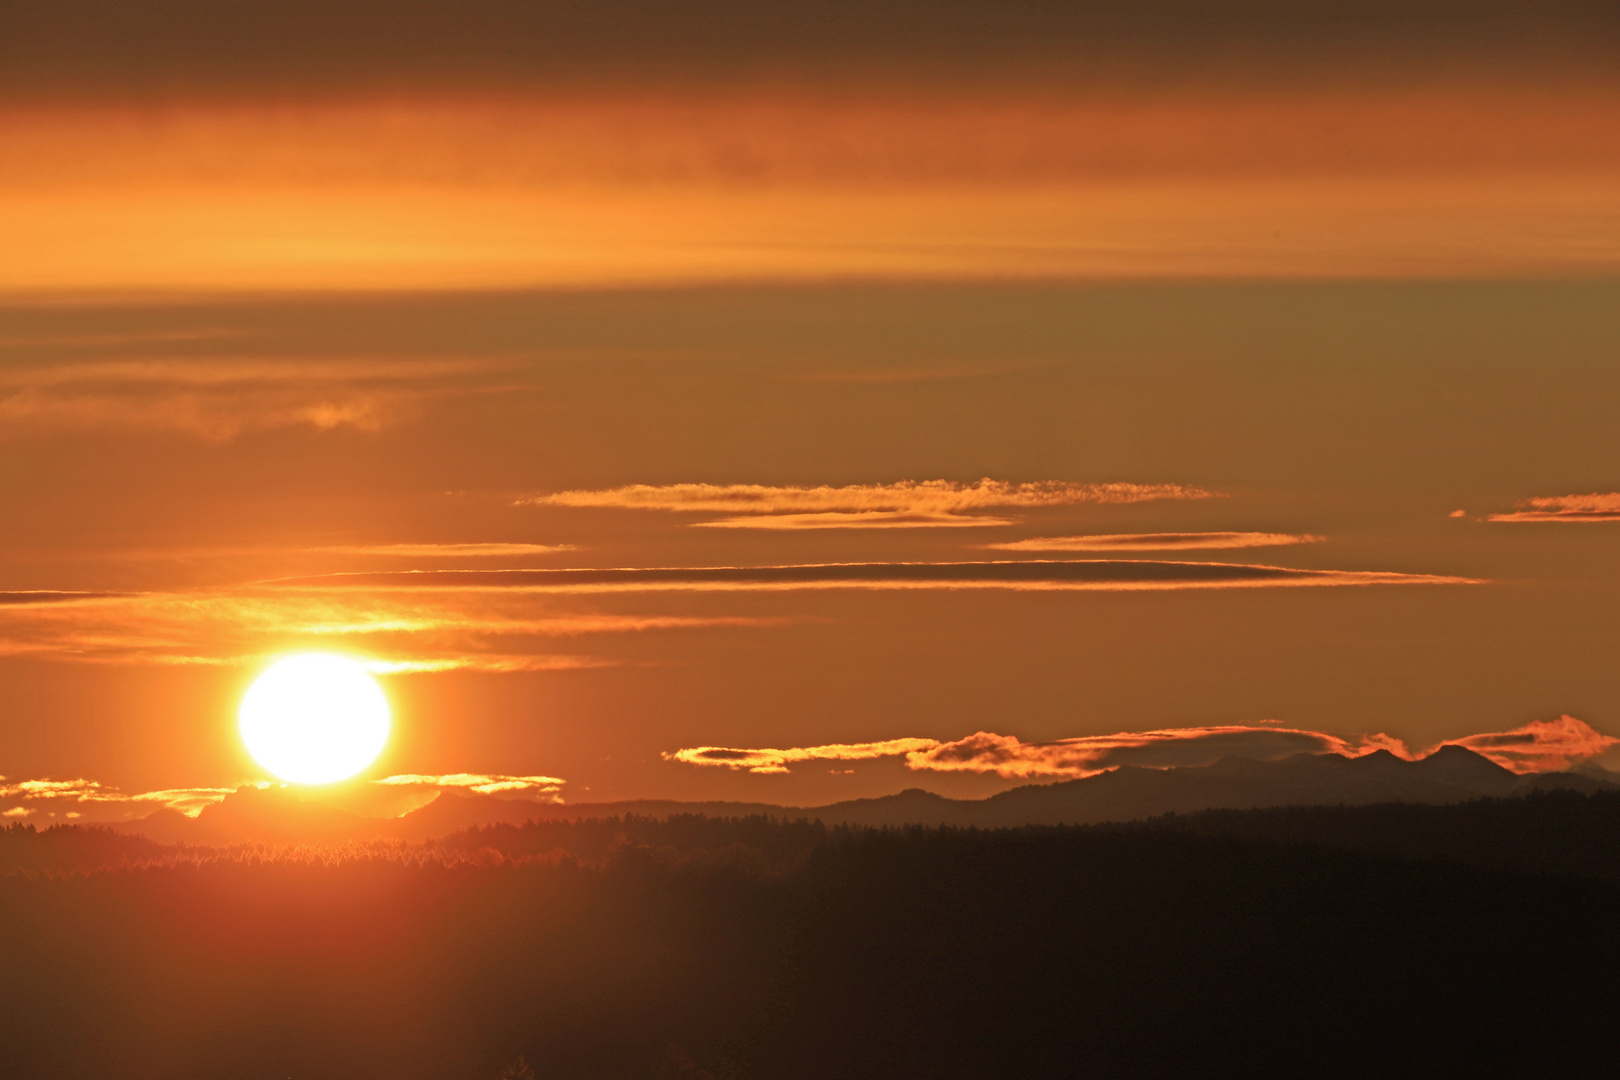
1551,832
754,844
1548,832
1204,946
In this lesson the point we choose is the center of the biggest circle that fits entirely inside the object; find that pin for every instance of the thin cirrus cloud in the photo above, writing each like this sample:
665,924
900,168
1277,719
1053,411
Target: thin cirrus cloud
905,504
858,519
446,551
95,801
1185,541
421,632
35,597
509,620
1568,508
219,398
475,550
91,795
1540,746
481,783
1107,575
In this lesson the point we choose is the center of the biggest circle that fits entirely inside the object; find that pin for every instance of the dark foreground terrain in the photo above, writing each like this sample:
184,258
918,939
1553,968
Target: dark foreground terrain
1478,939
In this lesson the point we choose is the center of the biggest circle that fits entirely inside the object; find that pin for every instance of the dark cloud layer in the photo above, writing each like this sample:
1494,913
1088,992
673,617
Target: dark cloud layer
29,597
167,46
1088,573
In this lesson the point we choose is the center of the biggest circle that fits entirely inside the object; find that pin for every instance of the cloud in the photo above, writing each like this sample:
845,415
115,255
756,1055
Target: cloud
1541,746
483,784
908,503
1594,507
106,802
30,597
489,663
857,519
1005,755
511,620
777,761
447,551
189,801
396,631
1023,574
479,550
1191,541
219,398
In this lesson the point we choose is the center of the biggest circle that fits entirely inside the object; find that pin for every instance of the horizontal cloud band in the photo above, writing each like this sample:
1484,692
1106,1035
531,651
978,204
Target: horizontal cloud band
914,496
104,802
1093,574
1194,541
53,596
858,519
908,504
1598,506
1543,745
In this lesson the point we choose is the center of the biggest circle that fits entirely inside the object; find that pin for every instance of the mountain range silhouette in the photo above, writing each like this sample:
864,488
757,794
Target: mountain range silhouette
1449,775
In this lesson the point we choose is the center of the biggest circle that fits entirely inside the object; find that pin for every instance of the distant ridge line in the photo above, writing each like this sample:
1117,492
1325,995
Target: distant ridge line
1452,774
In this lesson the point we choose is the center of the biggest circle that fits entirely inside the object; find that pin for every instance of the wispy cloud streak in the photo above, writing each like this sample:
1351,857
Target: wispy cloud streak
1006,756
421,632
906,504
482,783
33,597
1025,574
96,801
1186,541
1569,508
771,760
857,519
446,551
189,801
1541,745
219,398
1537,747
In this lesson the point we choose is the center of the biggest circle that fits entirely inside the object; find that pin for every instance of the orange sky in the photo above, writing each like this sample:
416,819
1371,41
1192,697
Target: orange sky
1198,316
471,193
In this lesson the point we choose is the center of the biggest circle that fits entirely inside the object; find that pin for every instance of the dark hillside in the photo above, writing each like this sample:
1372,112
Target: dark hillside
1225,944
1552,832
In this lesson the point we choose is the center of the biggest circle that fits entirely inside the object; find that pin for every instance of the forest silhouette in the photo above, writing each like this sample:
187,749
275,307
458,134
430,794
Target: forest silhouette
1471,939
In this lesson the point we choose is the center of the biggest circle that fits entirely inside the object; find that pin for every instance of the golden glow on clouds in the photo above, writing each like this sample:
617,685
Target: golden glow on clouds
101,801
510,620
1196,541
905,504
1569,508
314,718
481,783
857,519
447,551
1541,746
188,801
219,398
413,631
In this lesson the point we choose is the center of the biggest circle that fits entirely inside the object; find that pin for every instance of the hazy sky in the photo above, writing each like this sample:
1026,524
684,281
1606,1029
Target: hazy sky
298,291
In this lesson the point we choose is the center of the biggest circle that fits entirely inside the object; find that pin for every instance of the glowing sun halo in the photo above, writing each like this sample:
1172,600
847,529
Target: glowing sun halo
313,719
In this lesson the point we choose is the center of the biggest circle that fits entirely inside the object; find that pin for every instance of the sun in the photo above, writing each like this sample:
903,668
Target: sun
314,718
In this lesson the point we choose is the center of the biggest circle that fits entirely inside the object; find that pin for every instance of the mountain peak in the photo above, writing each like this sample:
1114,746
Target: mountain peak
1453,764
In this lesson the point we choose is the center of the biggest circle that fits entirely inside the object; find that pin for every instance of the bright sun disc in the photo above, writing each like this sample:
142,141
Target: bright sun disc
315,718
